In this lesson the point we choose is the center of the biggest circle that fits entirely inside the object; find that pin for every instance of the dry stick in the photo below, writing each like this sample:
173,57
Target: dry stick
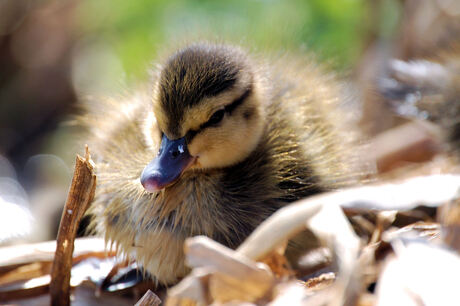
80,195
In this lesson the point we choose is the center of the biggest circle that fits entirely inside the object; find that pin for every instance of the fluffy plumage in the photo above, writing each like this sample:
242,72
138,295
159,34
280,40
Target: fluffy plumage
279,139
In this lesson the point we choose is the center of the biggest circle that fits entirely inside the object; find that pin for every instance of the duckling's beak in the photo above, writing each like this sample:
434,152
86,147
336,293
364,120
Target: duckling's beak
173,159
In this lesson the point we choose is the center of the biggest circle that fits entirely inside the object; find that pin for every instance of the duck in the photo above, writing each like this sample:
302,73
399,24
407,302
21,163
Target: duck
216,142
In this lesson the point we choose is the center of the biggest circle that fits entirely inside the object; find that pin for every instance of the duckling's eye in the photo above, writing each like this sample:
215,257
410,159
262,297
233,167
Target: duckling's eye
216,117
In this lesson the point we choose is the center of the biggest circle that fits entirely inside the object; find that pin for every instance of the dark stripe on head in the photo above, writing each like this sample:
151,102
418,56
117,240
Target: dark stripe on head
190,135
228,109
194,73
231,107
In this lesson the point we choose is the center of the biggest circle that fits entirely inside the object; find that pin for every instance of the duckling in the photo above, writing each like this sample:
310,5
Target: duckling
218,143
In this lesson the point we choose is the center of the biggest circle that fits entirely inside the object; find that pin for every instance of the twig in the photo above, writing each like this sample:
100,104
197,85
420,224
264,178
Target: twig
80,195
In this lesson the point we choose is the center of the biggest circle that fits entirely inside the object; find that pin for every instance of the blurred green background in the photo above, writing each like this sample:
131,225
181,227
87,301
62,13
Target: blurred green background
135,30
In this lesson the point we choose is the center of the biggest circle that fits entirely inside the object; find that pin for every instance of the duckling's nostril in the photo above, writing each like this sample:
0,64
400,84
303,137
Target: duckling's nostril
175,153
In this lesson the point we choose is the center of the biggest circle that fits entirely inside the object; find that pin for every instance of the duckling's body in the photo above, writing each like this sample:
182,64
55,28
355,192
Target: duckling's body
257,139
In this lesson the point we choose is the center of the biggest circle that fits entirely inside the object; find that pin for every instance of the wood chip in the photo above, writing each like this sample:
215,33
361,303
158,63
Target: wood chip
202,251
193,288
236,277
320,282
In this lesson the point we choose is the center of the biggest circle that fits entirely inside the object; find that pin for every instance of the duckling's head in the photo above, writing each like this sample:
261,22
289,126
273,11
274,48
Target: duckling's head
207,103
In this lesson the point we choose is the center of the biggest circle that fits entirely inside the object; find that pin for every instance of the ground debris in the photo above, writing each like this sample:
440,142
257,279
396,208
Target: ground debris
257,272
393,242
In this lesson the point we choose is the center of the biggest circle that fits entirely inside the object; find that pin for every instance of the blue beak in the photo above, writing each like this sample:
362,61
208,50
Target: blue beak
173,158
